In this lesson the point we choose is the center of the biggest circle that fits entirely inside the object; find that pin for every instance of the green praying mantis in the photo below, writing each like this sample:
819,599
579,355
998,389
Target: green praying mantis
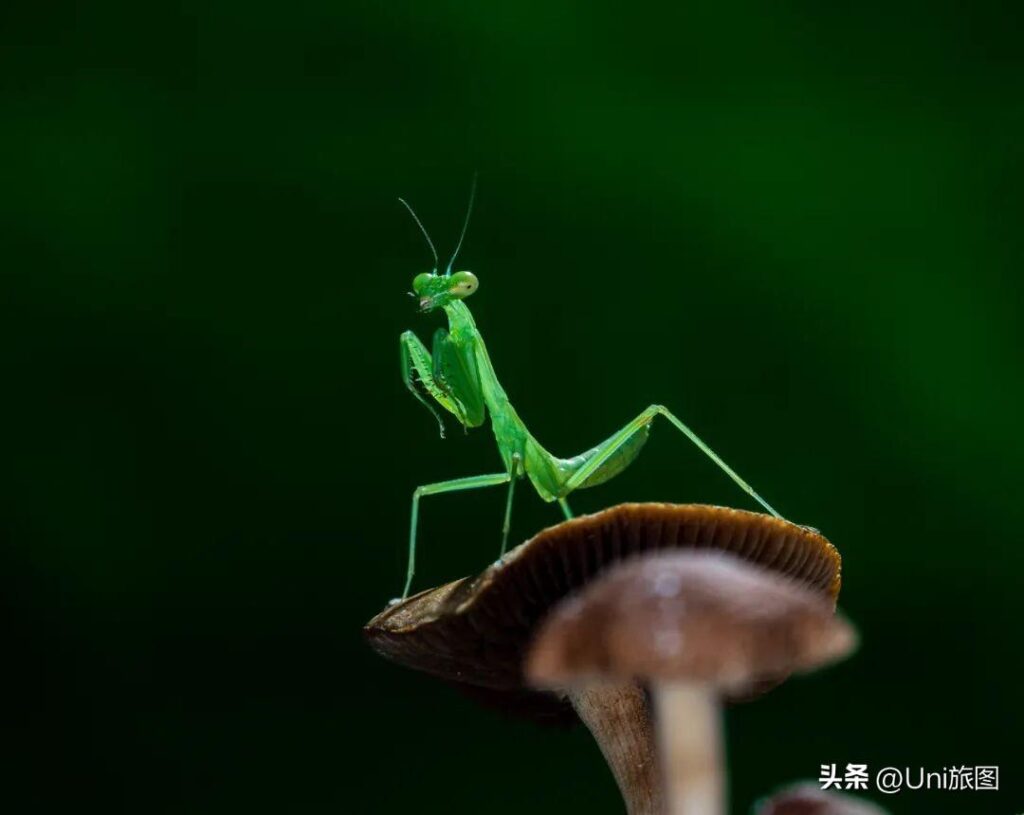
458,375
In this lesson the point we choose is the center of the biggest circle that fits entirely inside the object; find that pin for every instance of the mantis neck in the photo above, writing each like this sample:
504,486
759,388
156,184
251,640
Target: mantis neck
460,319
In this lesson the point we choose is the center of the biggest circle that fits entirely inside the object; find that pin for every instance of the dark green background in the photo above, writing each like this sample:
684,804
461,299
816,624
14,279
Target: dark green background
795,224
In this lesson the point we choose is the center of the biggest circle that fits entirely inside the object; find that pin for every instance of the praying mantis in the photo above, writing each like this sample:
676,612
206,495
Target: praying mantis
458,375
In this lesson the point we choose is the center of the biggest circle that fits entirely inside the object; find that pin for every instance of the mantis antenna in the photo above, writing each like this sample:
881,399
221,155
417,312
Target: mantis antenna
419,223
465,224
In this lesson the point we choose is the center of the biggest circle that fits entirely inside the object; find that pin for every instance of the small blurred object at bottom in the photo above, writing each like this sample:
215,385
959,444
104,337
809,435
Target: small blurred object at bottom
807,799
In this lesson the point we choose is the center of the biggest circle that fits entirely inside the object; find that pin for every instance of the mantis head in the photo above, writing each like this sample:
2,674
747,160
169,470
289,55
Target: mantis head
438,290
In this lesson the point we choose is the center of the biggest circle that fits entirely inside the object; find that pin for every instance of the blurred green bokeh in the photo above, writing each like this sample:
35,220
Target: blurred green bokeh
797,225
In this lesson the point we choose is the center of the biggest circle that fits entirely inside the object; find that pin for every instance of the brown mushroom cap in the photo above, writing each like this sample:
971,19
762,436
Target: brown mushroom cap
475,631
705,617
808,799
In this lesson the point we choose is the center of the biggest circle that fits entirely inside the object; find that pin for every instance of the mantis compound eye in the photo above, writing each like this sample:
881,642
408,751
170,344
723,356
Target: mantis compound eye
419,283
463,284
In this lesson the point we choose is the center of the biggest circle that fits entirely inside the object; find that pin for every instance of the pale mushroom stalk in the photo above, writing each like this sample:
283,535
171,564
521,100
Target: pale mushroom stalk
619,718
689,728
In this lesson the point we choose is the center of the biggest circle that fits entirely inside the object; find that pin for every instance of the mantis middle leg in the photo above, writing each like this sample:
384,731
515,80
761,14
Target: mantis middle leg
605,451
455,485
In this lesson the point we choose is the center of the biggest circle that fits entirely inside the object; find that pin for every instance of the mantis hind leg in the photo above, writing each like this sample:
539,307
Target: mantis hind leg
604,452
455,485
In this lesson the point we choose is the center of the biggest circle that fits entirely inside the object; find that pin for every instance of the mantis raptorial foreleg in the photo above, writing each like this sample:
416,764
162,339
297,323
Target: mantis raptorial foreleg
417,364
455,485
608,448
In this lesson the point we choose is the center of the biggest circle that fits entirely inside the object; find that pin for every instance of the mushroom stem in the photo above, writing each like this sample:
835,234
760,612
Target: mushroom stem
619,718
689,726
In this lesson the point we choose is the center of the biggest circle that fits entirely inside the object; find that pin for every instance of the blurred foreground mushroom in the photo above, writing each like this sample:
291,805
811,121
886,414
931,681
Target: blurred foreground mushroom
475,632
808,799
692,625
